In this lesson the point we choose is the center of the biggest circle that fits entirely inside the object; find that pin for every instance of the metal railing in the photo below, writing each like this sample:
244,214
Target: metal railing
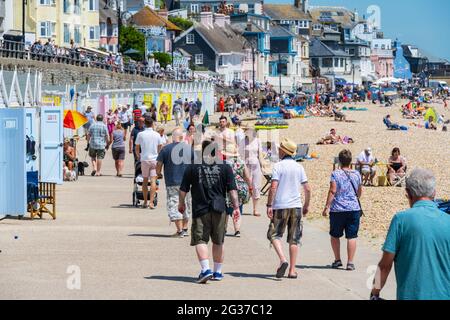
83,58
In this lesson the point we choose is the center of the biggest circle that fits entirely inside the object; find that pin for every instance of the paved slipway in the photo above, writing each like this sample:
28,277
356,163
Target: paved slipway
127,253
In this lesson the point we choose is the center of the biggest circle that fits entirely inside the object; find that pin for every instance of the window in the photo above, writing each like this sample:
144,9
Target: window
115,28
190,38
327,62
46,29
77,34
94,33
220,60
66,6
304,24
195,8
66,33
93,5
76,7
236,75
111,48
317,27
336,62
351,52
341,62
47,2
383,46
199,59
102,29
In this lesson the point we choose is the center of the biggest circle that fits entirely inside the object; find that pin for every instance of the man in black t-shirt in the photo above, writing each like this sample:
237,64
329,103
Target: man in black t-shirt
209,183
139,127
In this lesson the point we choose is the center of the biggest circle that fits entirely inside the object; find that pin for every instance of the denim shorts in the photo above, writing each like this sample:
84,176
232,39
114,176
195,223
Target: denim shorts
348,221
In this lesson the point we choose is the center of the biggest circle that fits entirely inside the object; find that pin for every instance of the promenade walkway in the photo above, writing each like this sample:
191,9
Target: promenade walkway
127,253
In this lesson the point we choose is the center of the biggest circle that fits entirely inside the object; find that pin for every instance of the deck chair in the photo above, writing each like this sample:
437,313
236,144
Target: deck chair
399,181
339,116
266,187
302,152
46,201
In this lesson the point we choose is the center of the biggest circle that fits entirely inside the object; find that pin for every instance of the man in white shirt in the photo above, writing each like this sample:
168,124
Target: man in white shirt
125,119
148,145
366,163
143,108
284,205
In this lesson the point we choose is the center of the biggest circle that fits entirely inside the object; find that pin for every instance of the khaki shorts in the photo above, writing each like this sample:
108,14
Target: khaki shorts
290,218
148,168
97,153
212,225
173,194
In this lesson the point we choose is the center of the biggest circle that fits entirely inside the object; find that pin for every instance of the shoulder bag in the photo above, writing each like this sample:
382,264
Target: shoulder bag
354,189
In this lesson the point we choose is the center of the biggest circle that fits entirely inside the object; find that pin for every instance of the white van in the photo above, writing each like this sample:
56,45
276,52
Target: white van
440,85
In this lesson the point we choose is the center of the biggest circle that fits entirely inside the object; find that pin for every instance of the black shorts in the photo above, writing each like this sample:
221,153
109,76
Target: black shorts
348,221
126,125
118,153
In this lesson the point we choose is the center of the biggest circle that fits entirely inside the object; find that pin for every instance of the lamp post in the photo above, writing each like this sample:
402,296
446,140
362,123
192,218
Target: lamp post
24,3
253,43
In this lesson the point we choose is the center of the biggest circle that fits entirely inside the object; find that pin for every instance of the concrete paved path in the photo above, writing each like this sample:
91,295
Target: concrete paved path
125,253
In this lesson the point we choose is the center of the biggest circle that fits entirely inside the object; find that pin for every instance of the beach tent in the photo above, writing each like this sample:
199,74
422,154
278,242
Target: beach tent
431,113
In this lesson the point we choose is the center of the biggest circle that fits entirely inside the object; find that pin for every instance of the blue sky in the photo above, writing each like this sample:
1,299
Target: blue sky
425,23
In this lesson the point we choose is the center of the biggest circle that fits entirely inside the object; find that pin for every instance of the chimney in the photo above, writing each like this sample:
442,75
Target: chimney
219,19
163,14
206,18
356,15
305,6
258,8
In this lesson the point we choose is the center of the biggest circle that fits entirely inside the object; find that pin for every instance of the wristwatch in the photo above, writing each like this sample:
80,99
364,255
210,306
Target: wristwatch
268,205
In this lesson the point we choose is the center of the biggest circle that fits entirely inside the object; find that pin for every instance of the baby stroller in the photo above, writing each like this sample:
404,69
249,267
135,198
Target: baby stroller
137,187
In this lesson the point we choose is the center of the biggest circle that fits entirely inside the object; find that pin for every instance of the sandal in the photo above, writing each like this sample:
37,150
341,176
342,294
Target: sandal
281,270
293,276
350,267
336,264
93,173
256,214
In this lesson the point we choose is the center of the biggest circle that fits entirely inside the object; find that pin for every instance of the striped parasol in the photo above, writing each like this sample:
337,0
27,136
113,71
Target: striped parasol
73,119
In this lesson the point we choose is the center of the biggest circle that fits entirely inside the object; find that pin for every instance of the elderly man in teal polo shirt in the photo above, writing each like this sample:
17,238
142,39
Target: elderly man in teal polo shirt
418,242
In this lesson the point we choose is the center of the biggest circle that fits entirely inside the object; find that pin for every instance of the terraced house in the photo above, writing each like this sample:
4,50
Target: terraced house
62,21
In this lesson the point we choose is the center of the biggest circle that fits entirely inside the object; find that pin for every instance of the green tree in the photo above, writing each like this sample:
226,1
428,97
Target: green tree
163,58
181,23
131,38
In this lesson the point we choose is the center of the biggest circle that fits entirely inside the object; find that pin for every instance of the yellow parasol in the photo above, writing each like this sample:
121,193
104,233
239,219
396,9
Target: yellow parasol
73,119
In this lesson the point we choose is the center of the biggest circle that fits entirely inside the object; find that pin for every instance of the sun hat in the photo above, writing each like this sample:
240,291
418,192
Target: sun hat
288,146
231,150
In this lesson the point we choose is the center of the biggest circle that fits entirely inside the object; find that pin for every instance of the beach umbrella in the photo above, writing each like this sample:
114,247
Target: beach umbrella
132,51
73,119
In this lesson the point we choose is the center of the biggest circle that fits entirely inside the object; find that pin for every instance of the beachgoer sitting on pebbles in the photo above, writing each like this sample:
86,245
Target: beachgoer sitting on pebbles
334,138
